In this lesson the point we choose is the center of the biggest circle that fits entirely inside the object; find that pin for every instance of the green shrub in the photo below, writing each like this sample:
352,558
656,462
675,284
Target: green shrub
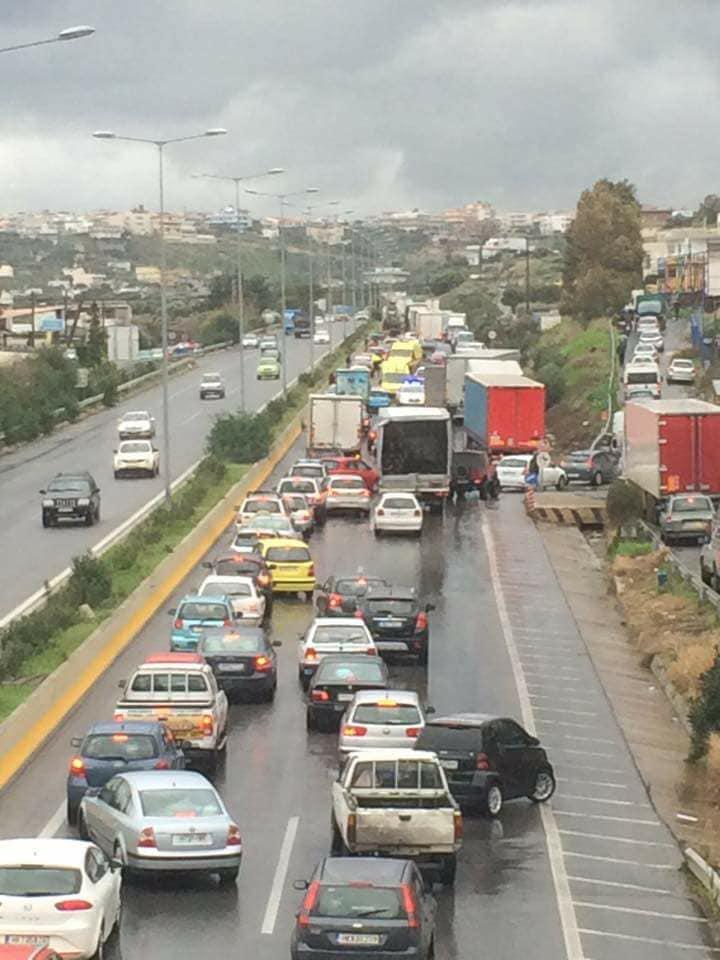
704,713
624,503
90,580
553,376
239,438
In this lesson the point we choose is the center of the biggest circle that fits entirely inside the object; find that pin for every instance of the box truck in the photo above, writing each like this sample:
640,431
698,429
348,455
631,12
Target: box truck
414,451
504,414
335,423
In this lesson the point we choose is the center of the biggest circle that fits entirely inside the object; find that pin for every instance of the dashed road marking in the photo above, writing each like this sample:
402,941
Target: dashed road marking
660,891
602,816
273,904
644,913
595,783
604,836
632,863
658,943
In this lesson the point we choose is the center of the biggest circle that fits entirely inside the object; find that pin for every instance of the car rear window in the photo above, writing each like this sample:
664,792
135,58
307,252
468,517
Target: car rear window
398,503
512,462
134,446
691,504
365,671
232,587
397,775
297,486
178,802
400,714
347,483
339,634
31,881
308,471
258,506
437,737
358,901
195,610
288,555
393,608
119,746
356,587
230,644
296,501
228,568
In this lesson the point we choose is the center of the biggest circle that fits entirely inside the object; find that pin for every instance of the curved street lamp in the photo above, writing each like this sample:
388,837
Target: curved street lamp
69,33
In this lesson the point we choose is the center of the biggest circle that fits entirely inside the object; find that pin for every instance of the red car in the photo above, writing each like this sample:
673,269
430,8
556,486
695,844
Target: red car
26,951
355,465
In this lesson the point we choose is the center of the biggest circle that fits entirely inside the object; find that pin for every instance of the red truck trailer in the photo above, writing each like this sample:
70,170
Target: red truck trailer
672,446
504,413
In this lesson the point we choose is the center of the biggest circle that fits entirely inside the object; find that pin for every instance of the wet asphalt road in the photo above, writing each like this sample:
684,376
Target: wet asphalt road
501,626
33,554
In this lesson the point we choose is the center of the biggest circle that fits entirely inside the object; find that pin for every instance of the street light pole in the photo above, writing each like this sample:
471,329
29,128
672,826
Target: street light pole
161,144
527,277
311,298
70,33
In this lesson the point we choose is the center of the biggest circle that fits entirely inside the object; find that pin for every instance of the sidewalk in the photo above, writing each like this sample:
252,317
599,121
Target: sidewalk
656,738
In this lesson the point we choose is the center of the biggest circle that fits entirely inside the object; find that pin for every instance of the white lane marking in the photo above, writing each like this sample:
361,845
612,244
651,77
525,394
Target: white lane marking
54,823
618,803
544,686
604,836
627,886
659,943
632,863
570,713
577,766
644,913
568,920
602,816
574,737
595,783
586,753
273,904
546,696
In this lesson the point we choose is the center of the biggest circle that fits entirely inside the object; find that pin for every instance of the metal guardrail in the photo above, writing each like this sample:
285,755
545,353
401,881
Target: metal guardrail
704,592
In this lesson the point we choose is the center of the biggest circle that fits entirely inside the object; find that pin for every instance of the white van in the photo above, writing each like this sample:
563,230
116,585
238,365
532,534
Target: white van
642,379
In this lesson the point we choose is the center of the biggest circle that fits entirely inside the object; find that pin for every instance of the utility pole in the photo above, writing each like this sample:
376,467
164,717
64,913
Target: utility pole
329,299
311,297
527,276
352,267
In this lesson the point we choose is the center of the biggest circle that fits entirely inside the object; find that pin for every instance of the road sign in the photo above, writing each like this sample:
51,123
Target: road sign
492,335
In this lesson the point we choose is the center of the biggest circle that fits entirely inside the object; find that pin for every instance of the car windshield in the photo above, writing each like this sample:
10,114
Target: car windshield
232,587
31,881
641,376
195,610
513,462
691,505
288,555
350,672
391,608
135,446
387,713
398,503
230,643
683,364
260,506
439,737
357,586
340,634
358,900
296,501
302,486
140,415
69,485
179,802
347,483
119,746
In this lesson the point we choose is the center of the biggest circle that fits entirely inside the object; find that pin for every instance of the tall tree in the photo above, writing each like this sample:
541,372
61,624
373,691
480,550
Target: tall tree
604,255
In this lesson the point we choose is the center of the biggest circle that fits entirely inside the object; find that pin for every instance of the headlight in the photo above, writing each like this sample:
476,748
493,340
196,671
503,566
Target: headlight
48,503
84,502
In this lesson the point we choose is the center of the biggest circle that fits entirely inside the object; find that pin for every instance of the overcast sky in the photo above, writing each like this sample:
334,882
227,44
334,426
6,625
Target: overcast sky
381,104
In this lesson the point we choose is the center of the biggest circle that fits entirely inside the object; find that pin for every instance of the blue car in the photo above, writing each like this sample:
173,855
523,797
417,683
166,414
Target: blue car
193,615
110,748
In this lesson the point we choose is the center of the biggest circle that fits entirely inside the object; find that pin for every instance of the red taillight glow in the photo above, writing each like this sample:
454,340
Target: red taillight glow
147,838
334,600
227,623
352,730
118,717
410,905
413,731
320,696
482,762
67,905
311,570
421,622
263,579
380,512
233,838
162,765
457,826
77,767
352,827
263,664
310,654
308,904
207,725
178,625
358,615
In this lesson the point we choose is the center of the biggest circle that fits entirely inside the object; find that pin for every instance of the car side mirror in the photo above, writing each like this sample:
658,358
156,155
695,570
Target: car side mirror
277,643
300,884
429,709
114,451
116,865
207,564
121,684
172,611
533,741
43,492
76,742
429,607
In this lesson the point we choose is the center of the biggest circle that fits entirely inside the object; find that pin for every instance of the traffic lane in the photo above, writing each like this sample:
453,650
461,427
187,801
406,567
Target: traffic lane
275,772
38,554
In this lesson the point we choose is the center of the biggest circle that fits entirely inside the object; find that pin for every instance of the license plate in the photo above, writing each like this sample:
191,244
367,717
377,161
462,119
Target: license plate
65,509
695,525
232,668
18,938
389,624
364,939
449,764
191,839
345,697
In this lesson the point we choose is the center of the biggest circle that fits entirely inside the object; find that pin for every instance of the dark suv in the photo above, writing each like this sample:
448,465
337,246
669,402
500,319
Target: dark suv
591,466
365,907
488,760
397,620
71,496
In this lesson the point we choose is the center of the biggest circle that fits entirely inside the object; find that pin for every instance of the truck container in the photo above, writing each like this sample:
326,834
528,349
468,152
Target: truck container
504,414
428,324
352,382
414,451
457,365
672,446
505,368
335,423
435,376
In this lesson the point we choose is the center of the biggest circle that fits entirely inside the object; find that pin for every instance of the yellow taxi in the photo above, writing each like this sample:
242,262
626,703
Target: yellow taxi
392,373
410,350
290,564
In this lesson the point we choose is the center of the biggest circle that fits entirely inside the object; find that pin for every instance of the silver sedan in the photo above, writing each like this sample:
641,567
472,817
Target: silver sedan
379,719
163,820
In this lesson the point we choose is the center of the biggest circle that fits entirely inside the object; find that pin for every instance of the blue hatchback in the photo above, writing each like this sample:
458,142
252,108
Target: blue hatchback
110,748
193,615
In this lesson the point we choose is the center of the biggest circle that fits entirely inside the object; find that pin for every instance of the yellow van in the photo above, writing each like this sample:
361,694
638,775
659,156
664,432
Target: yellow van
410,350
392,373
290,564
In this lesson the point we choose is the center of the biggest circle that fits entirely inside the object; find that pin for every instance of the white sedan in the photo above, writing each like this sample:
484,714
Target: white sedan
397,513
134,457
136,423
411,393
332,635
250,341
321,336
645,350
681,370
63,894
512,470
247,603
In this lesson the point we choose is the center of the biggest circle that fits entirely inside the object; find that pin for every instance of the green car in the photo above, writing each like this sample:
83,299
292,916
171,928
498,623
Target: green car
268,369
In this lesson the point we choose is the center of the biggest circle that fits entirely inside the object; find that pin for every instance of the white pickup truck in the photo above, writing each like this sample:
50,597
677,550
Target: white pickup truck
397,803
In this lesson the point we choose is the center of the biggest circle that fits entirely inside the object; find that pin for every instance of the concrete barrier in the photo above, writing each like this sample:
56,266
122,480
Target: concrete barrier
28,727
702,871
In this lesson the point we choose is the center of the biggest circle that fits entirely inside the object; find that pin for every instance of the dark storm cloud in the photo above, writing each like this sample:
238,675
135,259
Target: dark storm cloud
379,103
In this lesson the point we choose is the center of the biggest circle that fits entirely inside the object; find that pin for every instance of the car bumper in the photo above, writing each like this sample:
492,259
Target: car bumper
677,536
306,584
57,515
134,470
69,944
349,503
228,860
136,434
205,394
237,683
578,476
398,526
300,951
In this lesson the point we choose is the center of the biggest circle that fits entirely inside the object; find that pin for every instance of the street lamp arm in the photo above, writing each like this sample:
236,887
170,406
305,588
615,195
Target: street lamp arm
71,33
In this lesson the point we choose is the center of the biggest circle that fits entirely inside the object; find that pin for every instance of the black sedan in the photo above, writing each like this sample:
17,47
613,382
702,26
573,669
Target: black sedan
488,760
338,596
242,659
336,681
397,621
367,907
246,565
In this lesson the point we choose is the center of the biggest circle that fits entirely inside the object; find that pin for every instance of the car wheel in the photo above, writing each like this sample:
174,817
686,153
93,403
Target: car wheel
376,532
704,575
336,841
71,813
100,949
493,800
116,474
423,655
544,786
597,479
562,483
46,522
228,876
431,950
715,581
89,519
269,695
448,871
83,831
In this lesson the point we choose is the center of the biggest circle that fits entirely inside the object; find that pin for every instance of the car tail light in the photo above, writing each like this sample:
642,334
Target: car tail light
263,579
352,827
358,615
308,904
147,838
371,651
118,717
77,767
207,725
417,513
233,838
457,826
334,600
253,607
67,905
310,654
421,622
352,730
178,625
227,623
263,664
410,905
365,492
413,731
331,493
162,765
311,570
320,696
482,762
380,512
